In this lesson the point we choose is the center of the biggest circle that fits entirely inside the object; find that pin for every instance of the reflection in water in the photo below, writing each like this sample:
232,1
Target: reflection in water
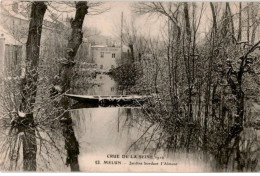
102,129
71,143
32,148
100,133
87,135
29,150
242,155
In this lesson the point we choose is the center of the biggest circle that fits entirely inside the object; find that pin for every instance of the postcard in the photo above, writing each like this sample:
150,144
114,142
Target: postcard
129,86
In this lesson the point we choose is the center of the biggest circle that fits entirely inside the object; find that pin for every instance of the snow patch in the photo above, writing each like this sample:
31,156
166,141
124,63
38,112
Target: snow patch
58,88
21,114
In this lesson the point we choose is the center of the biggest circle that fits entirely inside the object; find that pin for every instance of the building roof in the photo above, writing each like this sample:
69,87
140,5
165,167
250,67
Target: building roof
6,8
106,46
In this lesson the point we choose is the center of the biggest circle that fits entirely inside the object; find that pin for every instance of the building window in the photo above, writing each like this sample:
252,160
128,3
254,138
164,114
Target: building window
101,66
112,89
102,54
113,55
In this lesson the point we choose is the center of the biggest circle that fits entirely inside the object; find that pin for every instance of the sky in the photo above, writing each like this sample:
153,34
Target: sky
109,22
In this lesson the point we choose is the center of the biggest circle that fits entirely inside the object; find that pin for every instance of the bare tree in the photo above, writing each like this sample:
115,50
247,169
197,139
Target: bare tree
29,86
64,79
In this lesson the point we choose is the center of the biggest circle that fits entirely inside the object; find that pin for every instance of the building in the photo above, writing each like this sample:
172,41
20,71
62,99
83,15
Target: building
106,57
10,55
14,22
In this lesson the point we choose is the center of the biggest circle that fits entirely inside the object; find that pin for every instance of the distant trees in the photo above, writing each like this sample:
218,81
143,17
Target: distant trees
129,69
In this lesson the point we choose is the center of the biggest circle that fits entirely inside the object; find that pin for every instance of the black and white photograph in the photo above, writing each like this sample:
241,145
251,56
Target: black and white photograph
129,86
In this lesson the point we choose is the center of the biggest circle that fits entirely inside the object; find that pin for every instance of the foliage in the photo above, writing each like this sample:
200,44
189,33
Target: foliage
126,75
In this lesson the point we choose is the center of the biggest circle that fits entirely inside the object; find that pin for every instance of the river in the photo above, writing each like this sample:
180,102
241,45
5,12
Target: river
107,135
120,139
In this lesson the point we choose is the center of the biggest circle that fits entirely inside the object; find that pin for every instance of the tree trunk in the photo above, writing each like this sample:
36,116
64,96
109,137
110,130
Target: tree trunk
189,71
230,18
29,149
65,74
214,16
239,36
255,25
29,84
187,22
209,80
253,34
132,59
74,42
248,23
